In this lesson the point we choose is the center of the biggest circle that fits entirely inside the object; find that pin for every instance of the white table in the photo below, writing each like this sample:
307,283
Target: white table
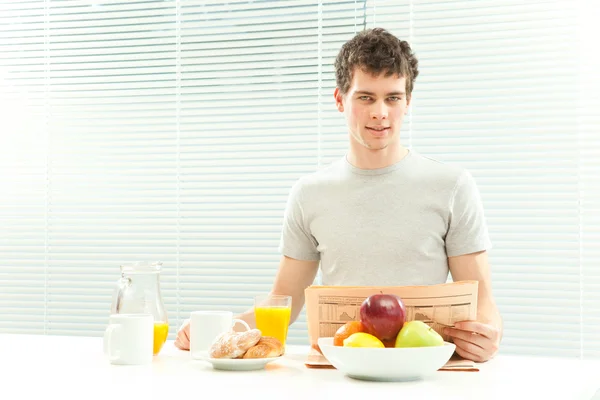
32,366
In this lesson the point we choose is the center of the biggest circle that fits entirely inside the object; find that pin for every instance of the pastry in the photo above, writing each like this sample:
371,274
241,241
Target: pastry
266,347
234,344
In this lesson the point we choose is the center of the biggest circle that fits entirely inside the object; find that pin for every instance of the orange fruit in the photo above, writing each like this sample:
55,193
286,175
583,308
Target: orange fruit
346,330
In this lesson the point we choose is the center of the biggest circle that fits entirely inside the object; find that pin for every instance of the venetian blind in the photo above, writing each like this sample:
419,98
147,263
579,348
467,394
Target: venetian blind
173,130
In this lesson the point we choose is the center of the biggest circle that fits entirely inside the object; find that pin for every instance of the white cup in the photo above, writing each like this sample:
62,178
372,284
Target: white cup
205,326
129,339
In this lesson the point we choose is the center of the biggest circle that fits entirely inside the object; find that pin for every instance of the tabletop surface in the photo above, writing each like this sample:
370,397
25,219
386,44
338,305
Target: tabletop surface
75,367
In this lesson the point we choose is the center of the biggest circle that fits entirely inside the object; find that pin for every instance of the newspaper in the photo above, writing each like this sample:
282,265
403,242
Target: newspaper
330,307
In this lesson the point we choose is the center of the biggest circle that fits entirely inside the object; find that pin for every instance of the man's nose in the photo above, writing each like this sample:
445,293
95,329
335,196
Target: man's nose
379,111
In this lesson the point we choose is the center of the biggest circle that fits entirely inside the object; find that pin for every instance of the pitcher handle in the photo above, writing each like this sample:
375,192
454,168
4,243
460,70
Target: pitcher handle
122,285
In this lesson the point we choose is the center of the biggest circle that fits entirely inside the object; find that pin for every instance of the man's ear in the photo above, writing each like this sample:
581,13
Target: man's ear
337,95
408,101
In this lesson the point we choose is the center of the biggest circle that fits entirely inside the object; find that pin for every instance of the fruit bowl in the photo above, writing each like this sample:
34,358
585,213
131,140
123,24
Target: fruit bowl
386,364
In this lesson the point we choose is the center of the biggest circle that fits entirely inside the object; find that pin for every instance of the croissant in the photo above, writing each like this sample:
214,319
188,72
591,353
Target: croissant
234,344
266,347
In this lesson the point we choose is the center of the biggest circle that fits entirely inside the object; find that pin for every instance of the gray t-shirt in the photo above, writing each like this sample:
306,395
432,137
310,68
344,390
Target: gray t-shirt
391,226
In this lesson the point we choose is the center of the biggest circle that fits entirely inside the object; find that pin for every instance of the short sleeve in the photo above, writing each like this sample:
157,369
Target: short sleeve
296,240
467,228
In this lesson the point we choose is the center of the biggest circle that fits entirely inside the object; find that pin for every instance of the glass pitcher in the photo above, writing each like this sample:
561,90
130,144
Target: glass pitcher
138,292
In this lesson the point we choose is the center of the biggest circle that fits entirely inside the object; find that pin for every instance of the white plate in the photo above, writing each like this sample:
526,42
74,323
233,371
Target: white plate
237,364
386,364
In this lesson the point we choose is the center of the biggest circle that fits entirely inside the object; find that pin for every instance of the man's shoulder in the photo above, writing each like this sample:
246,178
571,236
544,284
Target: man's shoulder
313,182
324,174
435,169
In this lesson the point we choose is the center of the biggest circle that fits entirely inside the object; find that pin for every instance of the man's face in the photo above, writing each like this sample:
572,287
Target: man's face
374,108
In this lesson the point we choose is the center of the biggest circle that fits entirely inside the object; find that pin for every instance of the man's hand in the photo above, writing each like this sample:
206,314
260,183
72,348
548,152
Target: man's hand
474,340
183,336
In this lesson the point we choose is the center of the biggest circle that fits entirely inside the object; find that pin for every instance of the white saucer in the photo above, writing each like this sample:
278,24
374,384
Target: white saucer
237,364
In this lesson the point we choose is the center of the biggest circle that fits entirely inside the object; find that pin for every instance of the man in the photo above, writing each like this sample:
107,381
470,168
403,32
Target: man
384,214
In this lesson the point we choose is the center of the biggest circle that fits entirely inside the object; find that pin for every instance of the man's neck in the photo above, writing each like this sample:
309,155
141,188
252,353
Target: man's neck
364,158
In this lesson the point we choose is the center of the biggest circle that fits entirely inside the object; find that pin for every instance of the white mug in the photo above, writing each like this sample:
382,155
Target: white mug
129,339
205,326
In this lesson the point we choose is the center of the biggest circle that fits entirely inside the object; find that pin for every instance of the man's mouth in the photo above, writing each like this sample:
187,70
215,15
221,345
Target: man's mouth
378,130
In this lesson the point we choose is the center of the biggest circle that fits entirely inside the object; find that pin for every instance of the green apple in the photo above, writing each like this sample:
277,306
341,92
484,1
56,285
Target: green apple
418,334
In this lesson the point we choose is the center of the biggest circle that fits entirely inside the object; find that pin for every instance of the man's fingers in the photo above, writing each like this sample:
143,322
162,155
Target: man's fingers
466,336
182,344
469,347
182,341
467,355
479,346
183,335
477,327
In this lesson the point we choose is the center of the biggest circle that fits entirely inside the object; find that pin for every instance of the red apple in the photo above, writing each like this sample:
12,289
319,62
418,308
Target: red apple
383,315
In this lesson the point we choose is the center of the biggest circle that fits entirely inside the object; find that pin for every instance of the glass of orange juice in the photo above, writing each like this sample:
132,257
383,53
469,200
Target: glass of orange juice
272,313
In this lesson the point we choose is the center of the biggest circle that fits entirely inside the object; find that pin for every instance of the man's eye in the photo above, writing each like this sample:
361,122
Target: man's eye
364,98
394,98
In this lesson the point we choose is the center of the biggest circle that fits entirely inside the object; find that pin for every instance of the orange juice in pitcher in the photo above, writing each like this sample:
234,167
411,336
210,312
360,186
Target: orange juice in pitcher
161,331
272,314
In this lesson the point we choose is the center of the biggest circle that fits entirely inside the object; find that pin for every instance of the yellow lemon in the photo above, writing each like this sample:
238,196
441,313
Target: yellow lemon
362,339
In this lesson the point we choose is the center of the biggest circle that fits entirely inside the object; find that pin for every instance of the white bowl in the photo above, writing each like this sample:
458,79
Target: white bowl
386,364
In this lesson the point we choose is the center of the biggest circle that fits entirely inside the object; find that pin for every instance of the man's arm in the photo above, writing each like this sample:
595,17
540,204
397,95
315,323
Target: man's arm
477,340
475,267
292,278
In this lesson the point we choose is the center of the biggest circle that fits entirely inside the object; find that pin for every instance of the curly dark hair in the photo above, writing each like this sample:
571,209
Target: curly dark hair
376,51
